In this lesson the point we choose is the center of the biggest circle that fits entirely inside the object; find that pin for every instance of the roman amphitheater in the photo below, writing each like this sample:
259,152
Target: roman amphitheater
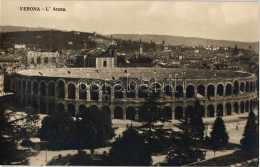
121,92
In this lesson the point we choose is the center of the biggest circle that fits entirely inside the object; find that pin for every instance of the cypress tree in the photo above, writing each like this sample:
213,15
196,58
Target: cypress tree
197,124
250,136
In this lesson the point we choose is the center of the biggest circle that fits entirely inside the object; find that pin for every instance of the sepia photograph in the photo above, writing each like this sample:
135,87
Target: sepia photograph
129,83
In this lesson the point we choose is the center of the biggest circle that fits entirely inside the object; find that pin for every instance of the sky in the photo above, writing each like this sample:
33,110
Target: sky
236,21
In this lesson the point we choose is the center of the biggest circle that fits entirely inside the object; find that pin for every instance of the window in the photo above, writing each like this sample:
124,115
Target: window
105,64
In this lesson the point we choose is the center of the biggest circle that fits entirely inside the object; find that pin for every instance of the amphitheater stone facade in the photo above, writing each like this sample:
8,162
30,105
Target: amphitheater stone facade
121,92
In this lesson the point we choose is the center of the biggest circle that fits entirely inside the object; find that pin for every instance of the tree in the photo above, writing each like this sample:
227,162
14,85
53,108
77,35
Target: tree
30,128
129,150
197,124
218,136
250,136
59,130
184,150
149,115
94,129
8,138
81,159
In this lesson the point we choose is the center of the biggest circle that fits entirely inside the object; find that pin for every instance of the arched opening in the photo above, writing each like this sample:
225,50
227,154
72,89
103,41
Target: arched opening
229,109
71,91
251,105
236,107
251,86
247,86
201,90
106,92
32,60
130,113
60,107
155,89
242,107
107,110
211,91
35,88
220,109
38,60
71,110
228,89
29,102
220,90
167,113
51,108
82,110
178,112
82,92
43,88
247,106
190,91
168,90
43,107
51,87
61,89
242,87
143,91
35,105
29,87
46,60
236,88
189,111
179,91
130,93
118,113
210,109
23,94
94,92
118,91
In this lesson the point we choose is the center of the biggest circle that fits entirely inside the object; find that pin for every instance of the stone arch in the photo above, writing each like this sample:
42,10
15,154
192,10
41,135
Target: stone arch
51,108
155,88
210,90
220,110
94,92
236,107
35,105
179,91
119,91
190,91
251,86
201,90
220,90
35,87
167,112
43,107
228,89
242,107
29,86
107,110
51,88
82,109
168,90
130,92
60,107
236,88
242,87
83,92
178,112
118,112
229,108
130,113
43,88
71,91
247,106
61,89
143,91
71,110
247,86
210,109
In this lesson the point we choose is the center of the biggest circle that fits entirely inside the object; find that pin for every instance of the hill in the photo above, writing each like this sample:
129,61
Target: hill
188,41
18,28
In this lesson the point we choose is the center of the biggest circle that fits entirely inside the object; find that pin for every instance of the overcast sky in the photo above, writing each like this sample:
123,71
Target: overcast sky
237,21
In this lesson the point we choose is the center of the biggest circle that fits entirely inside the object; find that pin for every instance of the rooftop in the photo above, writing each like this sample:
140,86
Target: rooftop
140,73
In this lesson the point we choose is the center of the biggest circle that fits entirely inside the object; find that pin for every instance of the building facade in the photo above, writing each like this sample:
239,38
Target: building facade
37,60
